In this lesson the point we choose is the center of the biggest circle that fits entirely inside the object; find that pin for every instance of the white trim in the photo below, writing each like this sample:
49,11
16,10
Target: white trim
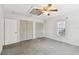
64,41
34,29
1,50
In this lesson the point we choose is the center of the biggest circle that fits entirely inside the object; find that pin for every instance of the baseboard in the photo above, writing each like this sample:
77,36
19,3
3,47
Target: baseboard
15,44
64,42
19,43
1,50
40,37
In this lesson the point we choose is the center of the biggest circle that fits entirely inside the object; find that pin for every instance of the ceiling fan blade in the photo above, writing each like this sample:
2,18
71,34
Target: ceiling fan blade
36,11
39,9
54,10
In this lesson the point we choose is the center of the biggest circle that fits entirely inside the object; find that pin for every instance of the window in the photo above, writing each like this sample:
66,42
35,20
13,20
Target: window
61,28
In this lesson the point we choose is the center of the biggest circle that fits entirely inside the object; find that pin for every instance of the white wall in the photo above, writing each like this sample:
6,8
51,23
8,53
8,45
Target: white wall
73,25
18,16
11,15
72,28
1,28
15,16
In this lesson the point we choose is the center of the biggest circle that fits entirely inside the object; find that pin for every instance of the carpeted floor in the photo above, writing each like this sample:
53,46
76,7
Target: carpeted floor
42,46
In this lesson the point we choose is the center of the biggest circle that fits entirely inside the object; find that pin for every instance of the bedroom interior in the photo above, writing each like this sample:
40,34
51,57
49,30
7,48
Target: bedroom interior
39,29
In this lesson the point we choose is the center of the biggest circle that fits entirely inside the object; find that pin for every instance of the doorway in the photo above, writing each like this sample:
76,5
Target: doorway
11,31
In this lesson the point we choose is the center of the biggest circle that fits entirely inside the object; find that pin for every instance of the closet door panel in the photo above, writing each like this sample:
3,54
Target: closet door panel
26,30
39,30
11,31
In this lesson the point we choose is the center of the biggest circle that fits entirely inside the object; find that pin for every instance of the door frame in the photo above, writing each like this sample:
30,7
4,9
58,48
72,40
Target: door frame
17,29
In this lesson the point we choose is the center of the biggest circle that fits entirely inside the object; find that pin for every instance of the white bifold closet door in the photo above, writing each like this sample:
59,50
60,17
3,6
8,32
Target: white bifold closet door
39,30
11,32
26,30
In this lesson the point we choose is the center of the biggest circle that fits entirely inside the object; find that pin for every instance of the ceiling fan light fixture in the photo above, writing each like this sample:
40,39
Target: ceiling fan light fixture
45,12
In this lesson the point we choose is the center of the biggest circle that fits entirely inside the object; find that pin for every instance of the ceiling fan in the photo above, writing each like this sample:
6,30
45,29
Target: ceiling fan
44,10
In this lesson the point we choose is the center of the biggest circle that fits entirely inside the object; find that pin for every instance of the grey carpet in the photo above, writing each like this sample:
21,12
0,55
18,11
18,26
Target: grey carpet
42,46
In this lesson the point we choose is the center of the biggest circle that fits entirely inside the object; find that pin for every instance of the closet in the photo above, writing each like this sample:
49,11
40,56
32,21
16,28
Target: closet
26,30
20,30
39,29
11,31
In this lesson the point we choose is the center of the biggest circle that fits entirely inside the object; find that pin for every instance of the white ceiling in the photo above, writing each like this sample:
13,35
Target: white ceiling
24,9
